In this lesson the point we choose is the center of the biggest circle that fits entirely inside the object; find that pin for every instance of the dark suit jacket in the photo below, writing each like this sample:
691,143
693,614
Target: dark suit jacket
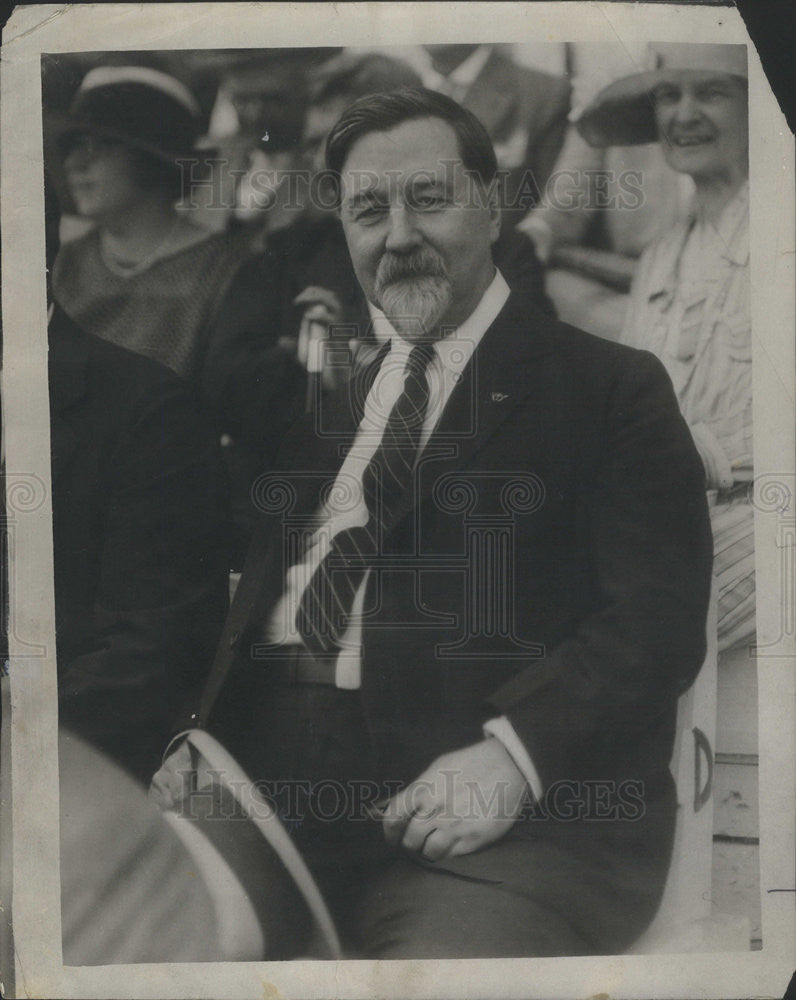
505,97
140,579
555,566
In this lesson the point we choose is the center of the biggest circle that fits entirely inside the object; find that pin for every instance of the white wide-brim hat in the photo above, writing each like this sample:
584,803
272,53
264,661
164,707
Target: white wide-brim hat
623,113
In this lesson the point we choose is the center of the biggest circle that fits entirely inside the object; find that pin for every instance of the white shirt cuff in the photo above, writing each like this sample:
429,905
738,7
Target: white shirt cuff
503,730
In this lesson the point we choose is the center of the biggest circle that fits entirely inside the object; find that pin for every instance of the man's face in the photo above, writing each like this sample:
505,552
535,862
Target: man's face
703,124
419,232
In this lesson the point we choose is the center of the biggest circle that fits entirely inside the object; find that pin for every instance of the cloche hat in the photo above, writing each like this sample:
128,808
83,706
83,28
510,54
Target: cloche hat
623,113
139,106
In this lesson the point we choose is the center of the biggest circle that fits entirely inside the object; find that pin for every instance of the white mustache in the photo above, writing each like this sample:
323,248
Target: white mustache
422,263
414,291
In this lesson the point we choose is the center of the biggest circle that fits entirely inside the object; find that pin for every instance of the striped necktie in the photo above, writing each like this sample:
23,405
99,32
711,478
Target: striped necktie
325,606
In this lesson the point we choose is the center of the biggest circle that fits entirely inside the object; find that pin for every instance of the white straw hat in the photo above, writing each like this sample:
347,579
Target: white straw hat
623,113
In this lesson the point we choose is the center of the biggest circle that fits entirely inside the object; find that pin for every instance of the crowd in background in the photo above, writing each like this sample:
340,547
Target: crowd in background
195,259
215,266
263,115
198,228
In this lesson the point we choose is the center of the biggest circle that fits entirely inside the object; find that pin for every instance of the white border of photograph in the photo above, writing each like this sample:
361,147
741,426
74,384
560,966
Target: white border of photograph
36,879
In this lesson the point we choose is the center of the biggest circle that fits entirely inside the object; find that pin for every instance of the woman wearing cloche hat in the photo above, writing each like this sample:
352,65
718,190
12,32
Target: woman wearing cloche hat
690,301
145,276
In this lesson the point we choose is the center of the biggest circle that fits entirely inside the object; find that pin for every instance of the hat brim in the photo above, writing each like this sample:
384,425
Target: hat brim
623,113
59,125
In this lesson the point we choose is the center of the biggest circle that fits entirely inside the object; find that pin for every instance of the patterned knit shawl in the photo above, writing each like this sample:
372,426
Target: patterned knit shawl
165,312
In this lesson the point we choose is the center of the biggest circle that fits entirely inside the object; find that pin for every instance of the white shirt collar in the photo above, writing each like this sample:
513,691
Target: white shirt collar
455,350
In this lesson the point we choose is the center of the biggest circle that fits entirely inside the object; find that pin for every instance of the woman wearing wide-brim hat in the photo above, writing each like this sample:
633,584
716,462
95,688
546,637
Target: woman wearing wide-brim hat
623,113
145,276
690,301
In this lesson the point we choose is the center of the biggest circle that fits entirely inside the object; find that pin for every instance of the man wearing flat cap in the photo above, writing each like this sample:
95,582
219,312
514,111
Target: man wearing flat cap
462,633
690,302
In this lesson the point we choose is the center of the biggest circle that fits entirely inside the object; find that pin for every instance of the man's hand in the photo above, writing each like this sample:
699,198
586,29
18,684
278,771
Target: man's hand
464,801
323,302
173,782
322,311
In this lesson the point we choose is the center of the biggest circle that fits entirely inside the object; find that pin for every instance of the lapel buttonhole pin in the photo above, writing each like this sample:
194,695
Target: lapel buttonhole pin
498,397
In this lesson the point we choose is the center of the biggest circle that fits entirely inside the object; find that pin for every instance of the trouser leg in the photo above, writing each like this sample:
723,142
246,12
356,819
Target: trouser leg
564,889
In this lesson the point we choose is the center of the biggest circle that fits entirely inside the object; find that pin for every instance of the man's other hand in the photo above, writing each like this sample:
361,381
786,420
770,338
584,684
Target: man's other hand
175,779
463,802
322,311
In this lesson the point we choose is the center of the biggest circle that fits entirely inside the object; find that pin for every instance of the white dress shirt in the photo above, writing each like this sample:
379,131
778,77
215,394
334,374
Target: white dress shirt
345,505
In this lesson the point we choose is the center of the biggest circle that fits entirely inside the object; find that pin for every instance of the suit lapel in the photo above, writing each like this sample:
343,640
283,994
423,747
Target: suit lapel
353,397
498,377
313,454
325,437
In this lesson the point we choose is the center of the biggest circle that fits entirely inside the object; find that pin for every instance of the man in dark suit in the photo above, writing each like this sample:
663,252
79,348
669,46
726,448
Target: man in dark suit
138,527
461,635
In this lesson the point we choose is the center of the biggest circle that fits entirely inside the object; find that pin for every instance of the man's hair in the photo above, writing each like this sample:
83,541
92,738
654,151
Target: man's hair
382,112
